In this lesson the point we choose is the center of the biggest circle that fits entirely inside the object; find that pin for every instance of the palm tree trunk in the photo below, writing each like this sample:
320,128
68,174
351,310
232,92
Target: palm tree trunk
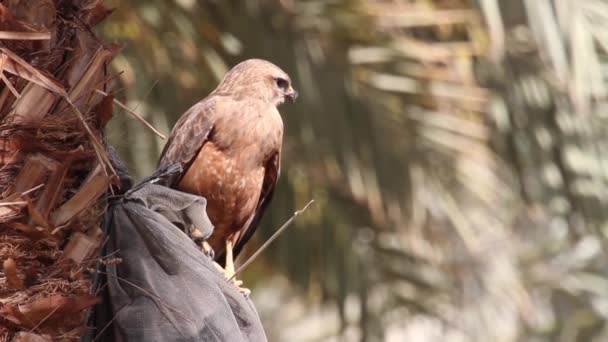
54,169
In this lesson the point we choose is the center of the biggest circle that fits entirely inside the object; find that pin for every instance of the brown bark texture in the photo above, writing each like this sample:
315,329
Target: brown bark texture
54,169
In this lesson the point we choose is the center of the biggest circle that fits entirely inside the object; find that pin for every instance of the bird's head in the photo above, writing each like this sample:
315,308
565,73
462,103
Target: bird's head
257,78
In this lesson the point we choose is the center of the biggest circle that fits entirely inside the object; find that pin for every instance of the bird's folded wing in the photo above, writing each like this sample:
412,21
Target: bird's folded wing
271,177
189,134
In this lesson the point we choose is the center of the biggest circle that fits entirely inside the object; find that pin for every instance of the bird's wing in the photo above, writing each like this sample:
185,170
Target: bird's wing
188,136
271,177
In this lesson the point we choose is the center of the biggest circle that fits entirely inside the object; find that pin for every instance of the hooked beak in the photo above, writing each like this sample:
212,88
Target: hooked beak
291,94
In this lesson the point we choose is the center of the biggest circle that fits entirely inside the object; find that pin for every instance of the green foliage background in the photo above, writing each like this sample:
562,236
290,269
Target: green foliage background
455,150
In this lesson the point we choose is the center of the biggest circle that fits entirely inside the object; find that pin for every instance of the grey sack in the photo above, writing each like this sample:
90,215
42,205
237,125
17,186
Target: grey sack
165,288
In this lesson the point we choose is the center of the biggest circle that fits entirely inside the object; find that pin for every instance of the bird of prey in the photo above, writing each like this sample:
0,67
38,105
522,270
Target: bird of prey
229,145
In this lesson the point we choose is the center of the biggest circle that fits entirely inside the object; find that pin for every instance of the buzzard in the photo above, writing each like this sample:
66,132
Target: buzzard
229,145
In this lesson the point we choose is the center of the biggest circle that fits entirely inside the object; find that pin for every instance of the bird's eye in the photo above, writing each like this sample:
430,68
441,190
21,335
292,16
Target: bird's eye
282,83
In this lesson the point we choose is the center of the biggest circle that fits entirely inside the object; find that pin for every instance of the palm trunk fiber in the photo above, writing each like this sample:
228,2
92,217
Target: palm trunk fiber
54,169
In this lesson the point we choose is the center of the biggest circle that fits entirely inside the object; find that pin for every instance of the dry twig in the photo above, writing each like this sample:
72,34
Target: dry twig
137,116
272,238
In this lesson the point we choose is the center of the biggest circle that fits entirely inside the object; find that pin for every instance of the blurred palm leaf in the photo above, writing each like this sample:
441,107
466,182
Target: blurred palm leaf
454,148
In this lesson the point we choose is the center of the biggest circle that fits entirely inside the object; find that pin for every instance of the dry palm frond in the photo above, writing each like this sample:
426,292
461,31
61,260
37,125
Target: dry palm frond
54,168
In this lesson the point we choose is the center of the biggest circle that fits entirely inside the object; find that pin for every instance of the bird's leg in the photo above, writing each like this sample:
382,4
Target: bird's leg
229,269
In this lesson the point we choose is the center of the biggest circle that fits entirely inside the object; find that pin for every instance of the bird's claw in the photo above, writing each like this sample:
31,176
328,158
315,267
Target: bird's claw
229,277
238,284
199,240
208,250
244,291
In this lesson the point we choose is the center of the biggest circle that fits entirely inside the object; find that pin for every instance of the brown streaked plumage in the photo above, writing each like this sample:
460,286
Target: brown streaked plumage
229,145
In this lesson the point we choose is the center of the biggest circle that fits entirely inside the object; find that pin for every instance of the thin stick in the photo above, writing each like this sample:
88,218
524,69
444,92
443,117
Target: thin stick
32,189
147,94
100,333
137,116
269,241
146,292
97,146
14,35
44,319
9,204
10,86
